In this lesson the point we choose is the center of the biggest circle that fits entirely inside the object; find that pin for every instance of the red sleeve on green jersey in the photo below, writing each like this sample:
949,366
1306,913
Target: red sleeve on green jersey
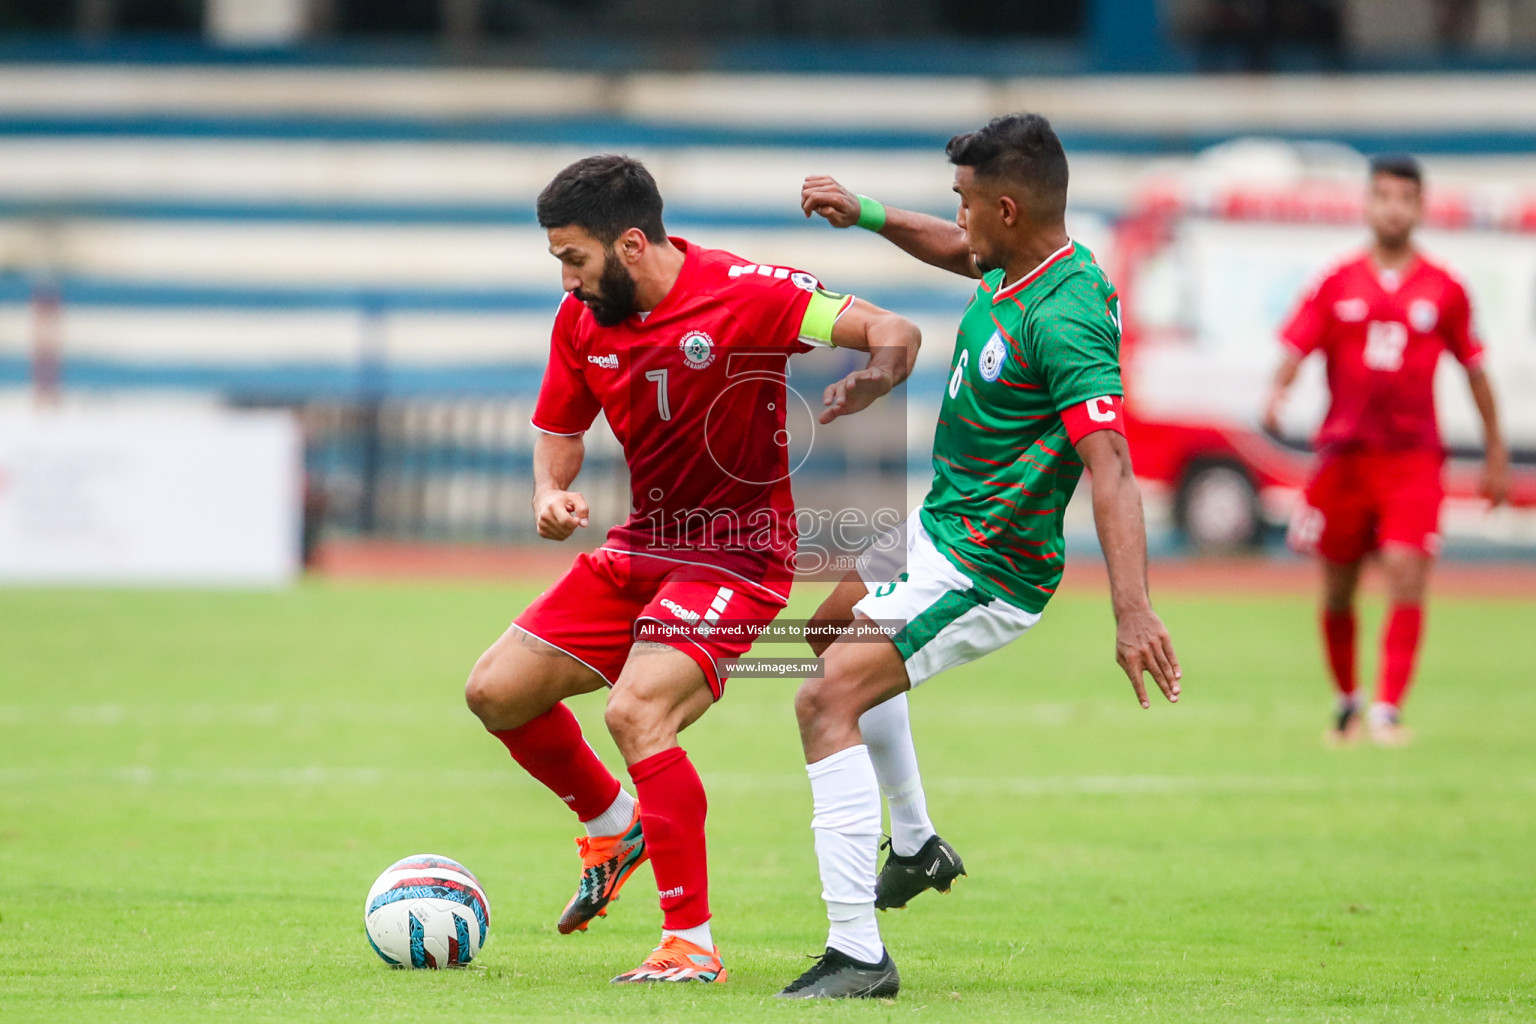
1102,413
566,404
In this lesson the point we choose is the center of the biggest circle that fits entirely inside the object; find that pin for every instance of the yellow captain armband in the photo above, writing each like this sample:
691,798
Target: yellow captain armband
821,315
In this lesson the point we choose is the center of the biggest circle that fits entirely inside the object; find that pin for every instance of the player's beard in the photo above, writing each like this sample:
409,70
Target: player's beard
615,299
1394,238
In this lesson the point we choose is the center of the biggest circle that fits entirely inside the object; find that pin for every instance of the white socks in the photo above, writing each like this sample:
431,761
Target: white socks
1381,714
846,796
615,819
846,790
698,935
887,731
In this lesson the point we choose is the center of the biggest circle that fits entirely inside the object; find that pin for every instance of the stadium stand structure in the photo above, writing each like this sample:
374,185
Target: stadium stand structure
359,242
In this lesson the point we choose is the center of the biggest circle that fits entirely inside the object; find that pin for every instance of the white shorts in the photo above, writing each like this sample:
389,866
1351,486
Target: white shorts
941,620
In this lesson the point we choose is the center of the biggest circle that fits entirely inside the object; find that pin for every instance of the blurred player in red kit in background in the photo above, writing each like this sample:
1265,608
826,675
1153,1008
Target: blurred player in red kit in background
653,333
1382,319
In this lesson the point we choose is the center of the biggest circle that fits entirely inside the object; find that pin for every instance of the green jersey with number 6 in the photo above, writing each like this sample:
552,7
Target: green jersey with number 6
1003,465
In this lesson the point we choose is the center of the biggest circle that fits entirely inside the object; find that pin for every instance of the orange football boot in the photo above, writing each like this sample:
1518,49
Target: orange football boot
606,864
677,959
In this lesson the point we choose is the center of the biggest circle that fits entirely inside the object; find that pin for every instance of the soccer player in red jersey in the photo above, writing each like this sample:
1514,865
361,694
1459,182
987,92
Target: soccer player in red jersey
684,350
1381,320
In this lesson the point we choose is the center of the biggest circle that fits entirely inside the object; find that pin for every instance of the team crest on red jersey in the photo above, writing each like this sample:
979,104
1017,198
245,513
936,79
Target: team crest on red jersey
1423,315
698,349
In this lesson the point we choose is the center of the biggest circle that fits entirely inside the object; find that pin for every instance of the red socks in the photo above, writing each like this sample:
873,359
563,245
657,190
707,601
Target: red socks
552,750
1399,647
672,809
672,805
1339,635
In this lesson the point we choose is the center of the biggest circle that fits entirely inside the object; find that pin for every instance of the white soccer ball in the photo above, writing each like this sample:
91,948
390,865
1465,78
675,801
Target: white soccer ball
427,911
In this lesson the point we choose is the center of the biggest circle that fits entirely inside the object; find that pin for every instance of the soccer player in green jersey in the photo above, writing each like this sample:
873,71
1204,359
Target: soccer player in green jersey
1033,397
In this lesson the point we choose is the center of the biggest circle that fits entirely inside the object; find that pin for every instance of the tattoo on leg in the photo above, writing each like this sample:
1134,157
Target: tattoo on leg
537,646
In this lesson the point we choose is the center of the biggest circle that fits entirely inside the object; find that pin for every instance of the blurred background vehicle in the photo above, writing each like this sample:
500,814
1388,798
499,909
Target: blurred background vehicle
321,210
1211,259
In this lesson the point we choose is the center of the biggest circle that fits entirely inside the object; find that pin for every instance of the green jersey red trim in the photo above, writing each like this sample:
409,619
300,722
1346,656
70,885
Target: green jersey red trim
1003,457
1034,275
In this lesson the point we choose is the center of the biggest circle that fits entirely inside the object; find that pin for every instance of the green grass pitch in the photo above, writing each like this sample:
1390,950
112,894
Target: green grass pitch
196,790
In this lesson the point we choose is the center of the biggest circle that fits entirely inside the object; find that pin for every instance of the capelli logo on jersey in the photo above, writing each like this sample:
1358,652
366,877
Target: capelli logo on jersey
698,349
678,610
608,362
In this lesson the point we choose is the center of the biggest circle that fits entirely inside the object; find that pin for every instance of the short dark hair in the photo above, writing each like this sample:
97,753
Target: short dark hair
604,196
1021,149
1398,165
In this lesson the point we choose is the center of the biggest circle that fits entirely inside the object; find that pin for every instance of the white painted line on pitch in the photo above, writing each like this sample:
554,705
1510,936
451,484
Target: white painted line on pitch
208,714
951,785
269,715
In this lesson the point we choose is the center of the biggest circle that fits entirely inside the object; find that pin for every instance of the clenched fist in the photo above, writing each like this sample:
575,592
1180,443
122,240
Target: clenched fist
559,513
823,195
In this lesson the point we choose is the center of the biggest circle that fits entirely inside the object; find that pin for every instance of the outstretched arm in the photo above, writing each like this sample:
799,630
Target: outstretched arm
1495,486
933,240
892,342
1142,643
556,461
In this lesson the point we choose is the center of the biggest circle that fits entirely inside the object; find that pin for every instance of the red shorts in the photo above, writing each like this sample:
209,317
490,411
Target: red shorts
1360,501
590,613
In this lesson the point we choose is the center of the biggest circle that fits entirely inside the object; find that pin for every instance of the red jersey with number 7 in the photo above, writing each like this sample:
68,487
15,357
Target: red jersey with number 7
697,393
1382,334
